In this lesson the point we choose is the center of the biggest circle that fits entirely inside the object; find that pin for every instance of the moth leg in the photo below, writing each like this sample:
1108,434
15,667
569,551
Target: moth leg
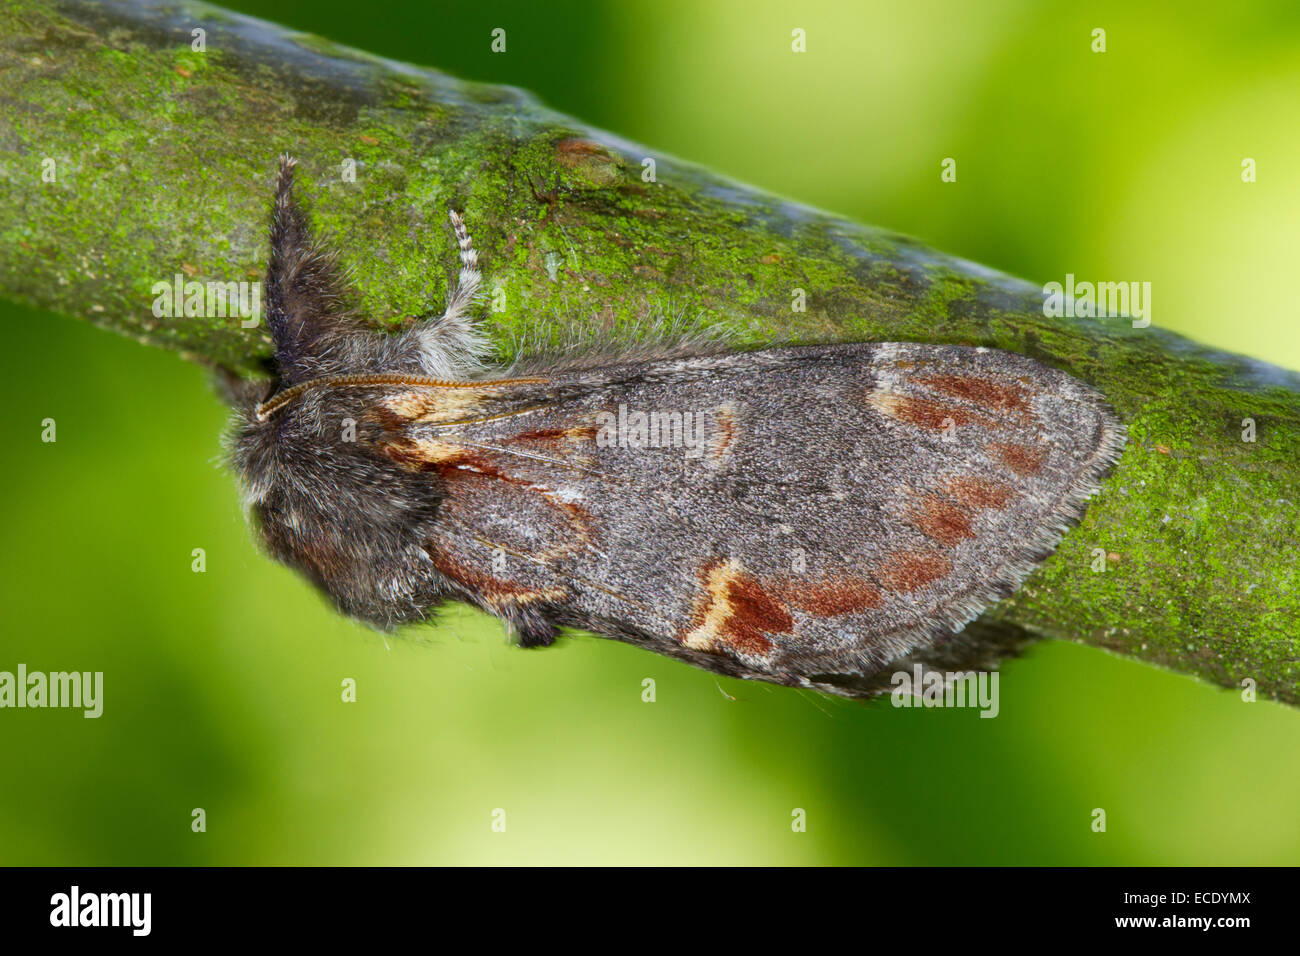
306,293
451,345
539,637
530,624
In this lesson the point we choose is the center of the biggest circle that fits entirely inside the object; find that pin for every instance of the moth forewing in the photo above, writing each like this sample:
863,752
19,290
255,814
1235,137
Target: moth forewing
777,513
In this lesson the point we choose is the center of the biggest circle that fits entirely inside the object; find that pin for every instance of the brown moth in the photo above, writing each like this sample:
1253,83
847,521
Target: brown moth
812,516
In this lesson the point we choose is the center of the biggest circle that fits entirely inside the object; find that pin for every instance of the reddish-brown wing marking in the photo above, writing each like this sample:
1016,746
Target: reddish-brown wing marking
785,512
490,513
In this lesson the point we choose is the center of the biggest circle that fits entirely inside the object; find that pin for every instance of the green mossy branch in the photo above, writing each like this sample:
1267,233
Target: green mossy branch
163,162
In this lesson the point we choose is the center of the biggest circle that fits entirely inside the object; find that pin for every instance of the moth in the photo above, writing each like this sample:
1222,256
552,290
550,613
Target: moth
811,516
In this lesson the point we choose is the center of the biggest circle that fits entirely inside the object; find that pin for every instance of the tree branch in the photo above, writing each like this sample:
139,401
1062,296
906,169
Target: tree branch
163,159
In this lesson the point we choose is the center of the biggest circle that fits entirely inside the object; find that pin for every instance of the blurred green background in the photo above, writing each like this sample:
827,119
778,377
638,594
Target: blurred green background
222,689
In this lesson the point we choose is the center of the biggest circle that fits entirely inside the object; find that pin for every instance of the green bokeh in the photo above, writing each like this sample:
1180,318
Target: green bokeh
222,689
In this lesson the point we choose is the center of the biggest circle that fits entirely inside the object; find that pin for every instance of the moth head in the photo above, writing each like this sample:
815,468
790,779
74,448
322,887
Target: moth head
324,500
